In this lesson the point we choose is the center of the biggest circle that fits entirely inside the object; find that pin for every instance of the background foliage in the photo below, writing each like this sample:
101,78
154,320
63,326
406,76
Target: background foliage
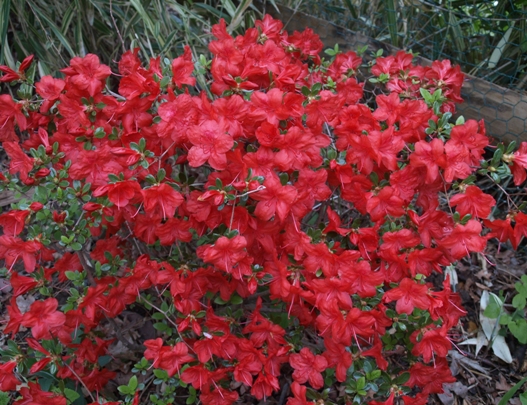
55,31
487,38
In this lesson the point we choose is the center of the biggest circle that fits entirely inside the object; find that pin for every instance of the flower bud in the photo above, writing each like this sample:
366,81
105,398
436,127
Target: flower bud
91,207
42,173
36,206
59,218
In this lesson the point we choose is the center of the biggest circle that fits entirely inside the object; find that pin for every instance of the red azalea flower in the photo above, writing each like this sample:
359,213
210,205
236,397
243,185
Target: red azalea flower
43,317
33,395
87,74
308,367
8,381
432,343
10,75
161,200
409,294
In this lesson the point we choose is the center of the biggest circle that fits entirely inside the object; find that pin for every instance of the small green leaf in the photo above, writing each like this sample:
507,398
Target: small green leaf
494,307
161,175
161,327
4,398
161,374
71,395
361,383
519,330
236,300
71,275
132,384
192,396
99,133
123,389
164,82
426,96
104,360
76,246
219,301
403,378
519,301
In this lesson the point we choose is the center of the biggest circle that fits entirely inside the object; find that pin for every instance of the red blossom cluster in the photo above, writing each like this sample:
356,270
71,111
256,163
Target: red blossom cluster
280,188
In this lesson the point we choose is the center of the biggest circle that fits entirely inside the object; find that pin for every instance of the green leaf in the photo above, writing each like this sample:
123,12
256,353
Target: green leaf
76,246
161,374
219,301
426,96
494,307
236,300
72,275
99,133
403,378
104,360
192,396
361,383
519,330
132,384
161,175
71,395
519,301
161,327
123,389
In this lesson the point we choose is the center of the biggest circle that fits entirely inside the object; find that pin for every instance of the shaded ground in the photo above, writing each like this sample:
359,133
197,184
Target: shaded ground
484,379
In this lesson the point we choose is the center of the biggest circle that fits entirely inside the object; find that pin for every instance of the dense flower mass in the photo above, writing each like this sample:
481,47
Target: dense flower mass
275,230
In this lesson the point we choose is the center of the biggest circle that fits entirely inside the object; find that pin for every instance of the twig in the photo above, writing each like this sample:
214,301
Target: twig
503,190
82,382
132,346
87,267
168,319
116,27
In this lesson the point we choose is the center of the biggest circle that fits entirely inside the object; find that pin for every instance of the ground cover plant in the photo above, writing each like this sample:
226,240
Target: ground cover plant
273,236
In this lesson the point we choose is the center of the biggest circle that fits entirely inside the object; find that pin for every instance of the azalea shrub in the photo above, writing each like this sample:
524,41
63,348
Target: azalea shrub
276,236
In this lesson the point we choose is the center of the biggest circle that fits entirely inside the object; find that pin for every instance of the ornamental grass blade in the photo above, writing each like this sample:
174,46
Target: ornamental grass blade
229,7
391,17
506,398
43,18
5,55
351,8
238,15
455,32
147,21
500,48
